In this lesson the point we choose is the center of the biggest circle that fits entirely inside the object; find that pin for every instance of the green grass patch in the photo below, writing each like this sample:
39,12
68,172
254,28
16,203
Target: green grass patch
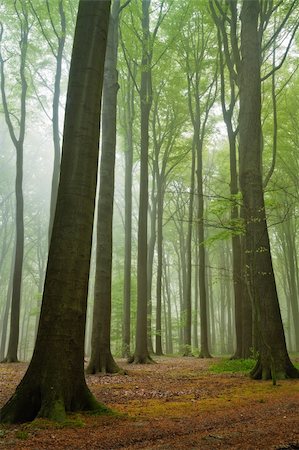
21,434
232,366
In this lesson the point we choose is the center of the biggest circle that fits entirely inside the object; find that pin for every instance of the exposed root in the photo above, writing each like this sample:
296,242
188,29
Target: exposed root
268,371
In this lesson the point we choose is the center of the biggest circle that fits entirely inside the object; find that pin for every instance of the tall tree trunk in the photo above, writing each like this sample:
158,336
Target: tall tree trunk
273,361
18,142
166,285
141,354
150,261
196,302
55,115
188,302
54,382
204,341
160,204
101,359
128,221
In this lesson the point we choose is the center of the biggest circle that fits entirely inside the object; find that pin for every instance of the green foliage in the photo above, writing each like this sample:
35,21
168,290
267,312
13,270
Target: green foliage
233,365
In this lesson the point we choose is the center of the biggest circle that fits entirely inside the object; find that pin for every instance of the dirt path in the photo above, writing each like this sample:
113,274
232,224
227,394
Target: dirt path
175,404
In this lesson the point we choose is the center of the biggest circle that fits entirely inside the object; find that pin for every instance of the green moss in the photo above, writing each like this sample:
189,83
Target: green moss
233,365
22,434
2,433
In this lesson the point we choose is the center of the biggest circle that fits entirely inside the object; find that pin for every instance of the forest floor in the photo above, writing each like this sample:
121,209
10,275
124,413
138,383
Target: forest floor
177,403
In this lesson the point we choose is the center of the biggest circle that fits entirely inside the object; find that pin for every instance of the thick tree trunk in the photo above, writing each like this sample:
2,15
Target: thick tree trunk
101,359
273,361
54,382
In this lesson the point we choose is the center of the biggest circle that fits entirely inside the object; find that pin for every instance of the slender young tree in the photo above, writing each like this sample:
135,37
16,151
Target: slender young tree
54,382
128,113
18,138
55,39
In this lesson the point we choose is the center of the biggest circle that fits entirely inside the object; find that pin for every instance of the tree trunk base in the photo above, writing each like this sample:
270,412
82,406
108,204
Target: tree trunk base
105,364
186,350
137,359
9,360
204,354
32,400
274,371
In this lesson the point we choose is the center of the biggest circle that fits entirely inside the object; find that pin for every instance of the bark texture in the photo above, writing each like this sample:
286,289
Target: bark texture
101,359
273,361
54,382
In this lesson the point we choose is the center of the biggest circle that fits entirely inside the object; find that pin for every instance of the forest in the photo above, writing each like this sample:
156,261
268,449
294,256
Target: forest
149,196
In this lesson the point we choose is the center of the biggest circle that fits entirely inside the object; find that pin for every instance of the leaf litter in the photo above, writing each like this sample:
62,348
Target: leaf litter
175,404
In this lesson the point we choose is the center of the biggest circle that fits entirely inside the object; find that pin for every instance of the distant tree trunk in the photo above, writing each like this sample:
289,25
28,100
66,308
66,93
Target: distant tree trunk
12,352
128,220
273,361
6,313
196,302
188,302
55,115
141,354
291,256
204,340
150,260
101,359
230,58
59,32
54,382
160,205
169,349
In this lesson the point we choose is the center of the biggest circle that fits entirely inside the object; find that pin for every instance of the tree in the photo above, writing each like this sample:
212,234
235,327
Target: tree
101,359
54,382
229,62
202,90
18,139
57,49
273,361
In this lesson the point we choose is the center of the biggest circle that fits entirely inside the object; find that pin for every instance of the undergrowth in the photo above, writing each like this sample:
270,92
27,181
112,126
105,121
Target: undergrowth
233,365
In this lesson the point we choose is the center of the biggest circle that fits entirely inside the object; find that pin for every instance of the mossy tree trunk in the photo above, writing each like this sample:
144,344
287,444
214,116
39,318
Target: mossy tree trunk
54,382
273,361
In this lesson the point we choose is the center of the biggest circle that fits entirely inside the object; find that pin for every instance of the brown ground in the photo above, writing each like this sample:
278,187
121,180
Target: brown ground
175,404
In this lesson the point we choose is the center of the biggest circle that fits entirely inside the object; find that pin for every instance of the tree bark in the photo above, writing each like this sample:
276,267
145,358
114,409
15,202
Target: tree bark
141,354
273,361
54,382
128,221
101,359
